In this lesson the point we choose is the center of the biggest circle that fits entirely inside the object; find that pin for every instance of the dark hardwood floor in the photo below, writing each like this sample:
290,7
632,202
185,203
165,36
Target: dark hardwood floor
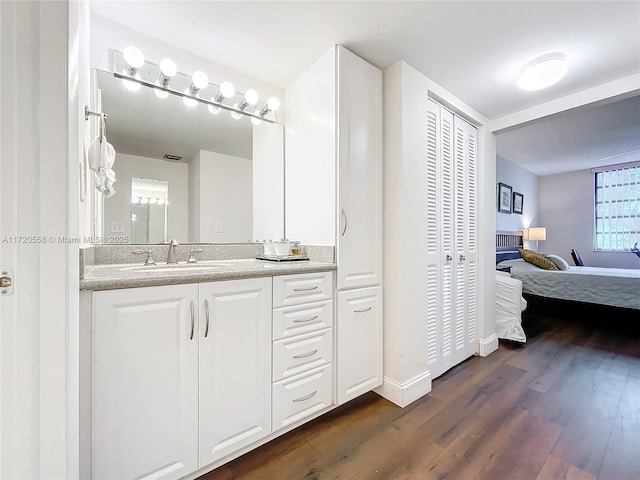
564,406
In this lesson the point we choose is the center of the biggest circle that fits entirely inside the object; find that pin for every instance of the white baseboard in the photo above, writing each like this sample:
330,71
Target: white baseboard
488,345
403,394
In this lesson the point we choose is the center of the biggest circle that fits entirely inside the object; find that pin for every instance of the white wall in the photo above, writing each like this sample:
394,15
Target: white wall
268,182
117,209
224,180
521,181
567,210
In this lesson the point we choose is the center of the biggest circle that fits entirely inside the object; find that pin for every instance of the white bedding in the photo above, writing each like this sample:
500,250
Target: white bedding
616,287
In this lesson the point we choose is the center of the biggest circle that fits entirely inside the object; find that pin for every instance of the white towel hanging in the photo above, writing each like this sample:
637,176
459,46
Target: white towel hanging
101,158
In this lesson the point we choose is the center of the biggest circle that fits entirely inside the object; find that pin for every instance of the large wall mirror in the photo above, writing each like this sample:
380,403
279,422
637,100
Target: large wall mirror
214,178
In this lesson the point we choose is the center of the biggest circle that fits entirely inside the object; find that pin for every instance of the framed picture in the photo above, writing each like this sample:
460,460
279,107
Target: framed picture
518,200
504,198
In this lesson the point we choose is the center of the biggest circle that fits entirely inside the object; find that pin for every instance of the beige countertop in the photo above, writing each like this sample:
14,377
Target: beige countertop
109,277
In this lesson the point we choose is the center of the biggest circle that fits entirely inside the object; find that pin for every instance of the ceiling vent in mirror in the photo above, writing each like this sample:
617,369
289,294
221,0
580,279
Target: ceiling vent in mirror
134,71
173,158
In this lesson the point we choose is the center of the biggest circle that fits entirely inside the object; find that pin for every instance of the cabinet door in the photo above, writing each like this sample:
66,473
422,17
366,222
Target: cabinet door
145,383
359,245
235,365
359,342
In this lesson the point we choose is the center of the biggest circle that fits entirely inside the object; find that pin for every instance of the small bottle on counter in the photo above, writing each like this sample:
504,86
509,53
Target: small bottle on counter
295,248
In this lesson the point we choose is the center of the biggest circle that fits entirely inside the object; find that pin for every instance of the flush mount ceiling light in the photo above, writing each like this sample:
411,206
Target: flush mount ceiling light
542,72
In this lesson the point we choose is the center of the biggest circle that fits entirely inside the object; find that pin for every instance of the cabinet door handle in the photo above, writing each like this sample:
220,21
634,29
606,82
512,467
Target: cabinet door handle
305,355
193,320
302,320
462,258
206,316
346,221
305,289
306,397
448,258
363,310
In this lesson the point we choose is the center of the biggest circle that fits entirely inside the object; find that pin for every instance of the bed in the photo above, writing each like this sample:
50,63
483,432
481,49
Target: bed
614,287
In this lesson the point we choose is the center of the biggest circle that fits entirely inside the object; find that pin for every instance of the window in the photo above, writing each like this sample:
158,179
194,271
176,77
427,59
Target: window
617,213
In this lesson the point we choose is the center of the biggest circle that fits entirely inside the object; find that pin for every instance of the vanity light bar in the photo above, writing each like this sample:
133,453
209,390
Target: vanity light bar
236,111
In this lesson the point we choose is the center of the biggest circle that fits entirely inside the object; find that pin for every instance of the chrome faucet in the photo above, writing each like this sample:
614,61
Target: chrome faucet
171,256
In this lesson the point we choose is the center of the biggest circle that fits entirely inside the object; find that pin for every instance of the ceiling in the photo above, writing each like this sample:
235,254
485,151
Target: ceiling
473,49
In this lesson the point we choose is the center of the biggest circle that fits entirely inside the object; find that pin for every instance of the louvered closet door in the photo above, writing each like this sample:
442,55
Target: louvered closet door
465,271
450,242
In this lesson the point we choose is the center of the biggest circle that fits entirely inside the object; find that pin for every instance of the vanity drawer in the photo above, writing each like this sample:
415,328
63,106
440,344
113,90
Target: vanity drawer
298,397
304,352
291,321
303,288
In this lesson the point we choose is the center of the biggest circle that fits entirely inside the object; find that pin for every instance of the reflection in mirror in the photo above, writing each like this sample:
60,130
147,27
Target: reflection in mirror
226,175
149,210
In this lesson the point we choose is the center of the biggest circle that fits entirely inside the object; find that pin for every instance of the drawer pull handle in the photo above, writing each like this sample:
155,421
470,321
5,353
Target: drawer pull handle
206,311
363,310
302,320
305,289
308,354
306,397
193,320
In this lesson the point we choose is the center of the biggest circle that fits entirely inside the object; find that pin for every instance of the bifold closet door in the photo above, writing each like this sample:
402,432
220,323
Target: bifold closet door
450,242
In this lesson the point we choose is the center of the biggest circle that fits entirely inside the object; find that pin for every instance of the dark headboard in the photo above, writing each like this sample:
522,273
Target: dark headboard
507,245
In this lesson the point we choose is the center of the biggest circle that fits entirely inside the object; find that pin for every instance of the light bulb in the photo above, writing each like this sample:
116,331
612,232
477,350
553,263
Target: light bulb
251,97
213,109
135,199
188,101
256,120
160,93
153,201
199,80
128,84
133,57
227,90
273,104
161,201
236,115
168,67
144,200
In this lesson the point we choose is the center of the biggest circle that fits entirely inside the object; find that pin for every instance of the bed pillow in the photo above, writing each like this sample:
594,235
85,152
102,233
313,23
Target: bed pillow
537,259
558,261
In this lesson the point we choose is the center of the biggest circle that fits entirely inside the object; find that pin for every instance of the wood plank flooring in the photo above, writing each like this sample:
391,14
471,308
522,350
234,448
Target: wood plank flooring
565,406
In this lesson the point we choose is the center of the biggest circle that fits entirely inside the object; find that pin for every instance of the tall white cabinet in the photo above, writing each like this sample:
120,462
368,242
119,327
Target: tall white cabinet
334,197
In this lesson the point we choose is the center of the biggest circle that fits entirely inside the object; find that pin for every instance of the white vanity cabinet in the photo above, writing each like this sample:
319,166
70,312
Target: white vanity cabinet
145,383
334,169
181,376
359,334
302,347
234,365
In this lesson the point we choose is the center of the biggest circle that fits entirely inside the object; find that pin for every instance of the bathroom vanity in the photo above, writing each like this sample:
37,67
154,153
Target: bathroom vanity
191,366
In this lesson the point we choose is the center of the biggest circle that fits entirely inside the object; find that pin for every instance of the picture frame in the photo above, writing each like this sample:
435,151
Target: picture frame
504,197
518,202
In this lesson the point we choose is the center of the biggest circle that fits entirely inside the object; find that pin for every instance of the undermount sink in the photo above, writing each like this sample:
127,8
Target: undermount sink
165,268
